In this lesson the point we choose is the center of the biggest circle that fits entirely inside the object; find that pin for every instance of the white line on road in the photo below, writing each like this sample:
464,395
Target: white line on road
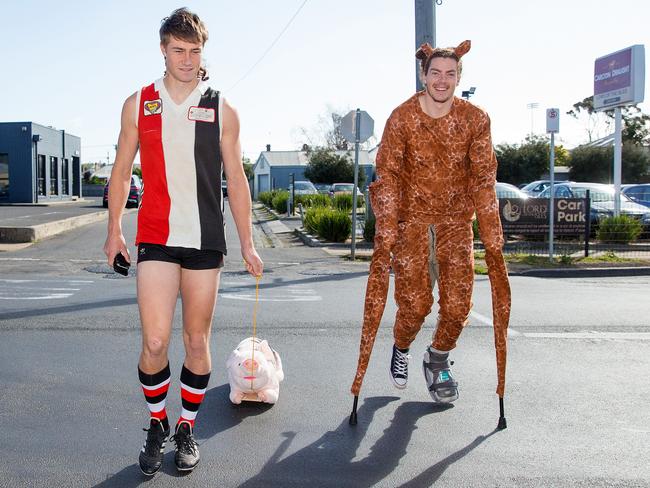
53,296
481,318
45,281
251,298
590,334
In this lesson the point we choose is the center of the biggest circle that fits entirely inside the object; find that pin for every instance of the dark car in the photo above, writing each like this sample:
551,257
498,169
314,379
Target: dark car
638,193
224,188
601,200
135,192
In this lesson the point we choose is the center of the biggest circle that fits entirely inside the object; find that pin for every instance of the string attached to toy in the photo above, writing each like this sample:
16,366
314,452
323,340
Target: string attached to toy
257,295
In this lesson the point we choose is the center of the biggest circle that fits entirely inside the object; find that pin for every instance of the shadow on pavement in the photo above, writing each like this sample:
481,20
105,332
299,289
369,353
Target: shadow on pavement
328,461
118,302
216,400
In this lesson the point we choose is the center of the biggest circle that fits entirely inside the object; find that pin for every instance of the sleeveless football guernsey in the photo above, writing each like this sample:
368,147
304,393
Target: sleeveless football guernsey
180,156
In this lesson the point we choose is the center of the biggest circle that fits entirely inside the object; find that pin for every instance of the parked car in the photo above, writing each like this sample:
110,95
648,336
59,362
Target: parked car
304,188
338,188
601,197
224,188
534,188
506,190
323,188
135,192
638,193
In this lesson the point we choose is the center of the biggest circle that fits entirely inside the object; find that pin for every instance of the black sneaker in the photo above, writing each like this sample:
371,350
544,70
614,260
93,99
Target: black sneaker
187,450
399,368
151,455
437,373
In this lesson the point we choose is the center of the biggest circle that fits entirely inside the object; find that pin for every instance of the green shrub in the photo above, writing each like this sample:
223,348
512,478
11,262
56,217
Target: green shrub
279,202
334,225
312,218
620,230
309,201
369,229
266,197
343,201
477,236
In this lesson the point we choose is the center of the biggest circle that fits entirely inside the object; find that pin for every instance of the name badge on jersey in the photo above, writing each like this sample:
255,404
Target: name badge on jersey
201,114
152,107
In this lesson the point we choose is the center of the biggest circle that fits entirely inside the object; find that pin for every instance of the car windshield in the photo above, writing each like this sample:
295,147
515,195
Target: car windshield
598,194
303,185
343,187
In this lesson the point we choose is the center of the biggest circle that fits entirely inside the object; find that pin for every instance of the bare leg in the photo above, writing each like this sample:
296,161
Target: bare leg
199,294
158,283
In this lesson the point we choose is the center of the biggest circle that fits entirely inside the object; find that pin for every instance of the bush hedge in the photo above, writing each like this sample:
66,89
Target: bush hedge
279,202
334,225
369,229
318,200
620,230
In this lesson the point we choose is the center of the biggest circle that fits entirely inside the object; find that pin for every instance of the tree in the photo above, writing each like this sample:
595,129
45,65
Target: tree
595,164
521,163
327,133
248,168
325,166
636,128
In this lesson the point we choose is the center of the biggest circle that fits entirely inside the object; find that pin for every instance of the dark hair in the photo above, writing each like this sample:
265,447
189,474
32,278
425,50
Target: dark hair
438,52
186,26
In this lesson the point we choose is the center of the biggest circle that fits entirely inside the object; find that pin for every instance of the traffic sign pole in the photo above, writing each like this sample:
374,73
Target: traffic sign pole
552,126
357,133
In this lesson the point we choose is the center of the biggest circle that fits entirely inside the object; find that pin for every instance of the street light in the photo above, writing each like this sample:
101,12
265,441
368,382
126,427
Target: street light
468,93
532,106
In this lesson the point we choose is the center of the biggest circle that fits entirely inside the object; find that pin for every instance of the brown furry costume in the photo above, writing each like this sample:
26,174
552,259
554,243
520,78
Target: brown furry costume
435,172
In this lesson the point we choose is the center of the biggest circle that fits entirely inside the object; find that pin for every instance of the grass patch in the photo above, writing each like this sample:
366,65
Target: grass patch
480,269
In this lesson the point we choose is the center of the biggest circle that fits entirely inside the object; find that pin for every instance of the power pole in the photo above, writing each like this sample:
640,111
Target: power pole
425,29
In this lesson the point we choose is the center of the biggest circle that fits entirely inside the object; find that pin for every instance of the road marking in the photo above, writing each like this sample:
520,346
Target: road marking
481,318
590,334
13,289
53,296
292,293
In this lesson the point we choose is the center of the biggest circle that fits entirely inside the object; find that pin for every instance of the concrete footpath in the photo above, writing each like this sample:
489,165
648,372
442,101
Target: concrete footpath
22,225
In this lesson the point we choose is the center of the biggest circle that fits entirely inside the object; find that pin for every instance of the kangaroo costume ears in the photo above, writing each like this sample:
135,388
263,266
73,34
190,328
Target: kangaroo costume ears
426,50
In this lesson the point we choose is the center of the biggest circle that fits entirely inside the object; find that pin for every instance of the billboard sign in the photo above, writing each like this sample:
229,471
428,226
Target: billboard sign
619,78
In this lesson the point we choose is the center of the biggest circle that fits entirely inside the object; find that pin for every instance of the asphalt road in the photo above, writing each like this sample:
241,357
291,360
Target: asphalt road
72,409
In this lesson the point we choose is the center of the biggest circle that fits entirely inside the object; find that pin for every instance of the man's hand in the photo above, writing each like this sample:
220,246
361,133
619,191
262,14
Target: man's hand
114,245
254,264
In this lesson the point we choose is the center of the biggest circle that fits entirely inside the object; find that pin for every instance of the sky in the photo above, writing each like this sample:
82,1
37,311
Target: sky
71,64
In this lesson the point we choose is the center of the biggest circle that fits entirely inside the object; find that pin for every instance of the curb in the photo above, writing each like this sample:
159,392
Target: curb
16,235
584,272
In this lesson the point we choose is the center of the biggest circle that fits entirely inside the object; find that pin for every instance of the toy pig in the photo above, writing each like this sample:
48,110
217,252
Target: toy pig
257,376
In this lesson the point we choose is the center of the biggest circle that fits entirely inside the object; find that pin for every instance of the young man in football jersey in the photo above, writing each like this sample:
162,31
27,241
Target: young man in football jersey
187,134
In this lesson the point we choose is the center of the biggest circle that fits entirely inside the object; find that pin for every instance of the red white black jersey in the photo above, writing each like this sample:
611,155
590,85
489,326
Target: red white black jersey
180,155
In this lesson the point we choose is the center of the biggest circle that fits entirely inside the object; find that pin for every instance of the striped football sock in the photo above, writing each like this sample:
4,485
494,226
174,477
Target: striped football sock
155,388
193,388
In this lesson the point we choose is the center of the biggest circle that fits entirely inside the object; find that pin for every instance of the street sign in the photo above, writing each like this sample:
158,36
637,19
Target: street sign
552,120
348,126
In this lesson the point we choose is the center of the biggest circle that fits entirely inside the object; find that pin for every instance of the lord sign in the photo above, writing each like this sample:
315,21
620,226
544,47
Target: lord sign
530,216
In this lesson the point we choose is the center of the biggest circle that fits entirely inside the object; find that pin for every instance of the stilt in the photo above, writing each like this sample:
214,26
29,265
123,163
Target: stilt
502,418
353,415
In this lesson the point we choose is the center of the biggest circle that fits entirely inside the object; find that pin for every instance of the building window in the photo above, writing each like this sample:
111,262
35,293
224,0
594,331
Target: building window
4,176
54,175
40,171
64,177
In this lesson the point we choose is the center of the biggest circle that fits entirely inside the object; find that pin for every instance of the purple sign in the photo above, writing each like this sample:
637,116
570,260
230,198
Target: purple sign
613,72
619,78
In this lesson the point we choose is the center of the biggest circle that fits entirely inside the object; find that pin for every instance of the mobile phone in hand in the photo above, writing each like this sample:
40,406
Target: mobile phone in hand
121,265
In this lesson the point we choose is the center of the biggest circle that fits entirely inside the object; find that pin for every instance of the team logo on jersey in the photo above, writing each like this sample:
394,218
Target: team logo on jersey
153,107
201,114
